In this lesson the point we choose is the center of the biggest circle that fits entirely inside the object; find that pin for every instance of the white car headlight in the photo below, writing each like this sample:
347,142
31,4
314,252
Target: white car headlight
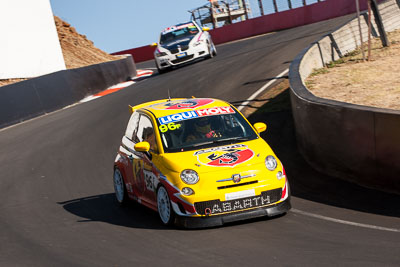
270,163
160,54
189,176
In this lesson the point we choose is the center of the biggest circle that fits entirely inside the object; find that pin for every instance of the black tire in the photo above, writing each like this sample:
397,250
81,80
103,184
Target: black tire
160,71
121,195
210,52
214,50
164,207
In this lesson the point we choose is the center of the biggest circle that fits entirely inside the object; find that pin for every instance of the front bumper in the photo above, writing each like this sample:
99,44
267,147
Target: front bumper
218,220
192,54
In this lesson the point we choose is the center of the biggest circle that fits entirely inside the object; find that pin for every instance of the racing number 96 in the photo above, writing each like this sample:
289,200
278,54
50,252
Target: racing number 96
170,126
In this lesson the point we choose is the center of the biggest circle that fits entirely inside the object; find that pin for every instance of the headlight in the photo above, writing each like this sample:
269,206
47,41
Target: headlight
161,54
189,176
270,163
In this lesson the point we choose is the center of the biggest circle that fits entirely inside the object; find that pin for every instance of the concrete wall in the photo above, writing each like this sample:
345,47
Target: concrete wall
47,93
29,44
354,142
273,22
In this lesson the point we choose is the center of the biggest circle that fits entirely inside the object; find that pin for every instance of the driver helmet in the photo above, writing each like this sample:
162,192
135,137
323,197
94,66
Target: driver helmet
203,125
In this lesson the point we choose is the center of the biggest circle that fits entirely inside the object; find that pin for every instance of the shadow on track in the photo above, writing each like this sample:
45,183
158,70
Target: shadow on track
306,183
104,208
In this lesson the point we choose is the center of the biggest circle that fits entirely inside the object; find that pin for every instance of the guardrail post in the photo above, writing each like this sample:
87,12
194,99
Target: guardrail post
261,7
245,9
379,23
229,13
289,4
212,17
275,6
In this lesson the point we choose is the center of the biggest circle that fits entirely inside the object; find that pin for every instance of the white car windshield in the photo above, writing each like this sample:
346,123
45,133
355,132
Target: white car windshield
203,132
170,36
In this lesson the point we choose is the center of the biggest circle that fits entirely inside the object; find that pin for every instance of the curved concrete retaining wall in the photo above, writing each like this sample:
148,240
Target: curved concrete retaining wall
354,142
44,94
268,23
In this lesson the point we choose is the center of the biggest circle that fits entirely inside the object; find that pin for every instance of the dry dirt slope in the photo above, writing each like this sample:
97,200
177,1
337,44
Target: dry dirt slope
373,83
77,50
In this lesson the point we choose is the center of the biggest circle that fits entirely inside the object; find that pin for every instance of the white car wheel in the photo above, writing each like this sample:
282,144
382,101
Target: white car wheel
210,51
214,50
164,207
119,187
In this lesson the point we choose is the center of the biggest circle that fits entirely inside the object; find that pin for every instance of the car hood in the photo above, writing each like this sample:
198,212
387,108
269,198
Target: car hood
178,42
219,158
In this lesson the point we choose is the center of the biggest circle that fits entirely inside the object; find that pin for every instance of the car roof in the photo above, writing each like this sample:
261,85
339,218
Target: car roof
180,25
164,107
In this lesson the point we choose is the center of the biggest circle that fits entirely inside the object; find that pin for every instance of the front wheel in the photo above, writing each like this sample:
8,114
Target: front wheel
214,49
210,51
160,71
164,207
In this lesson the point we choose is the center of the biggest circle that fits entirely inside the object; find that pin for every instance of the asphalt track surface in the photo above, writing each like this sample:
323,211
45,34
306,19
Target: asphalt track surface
57,205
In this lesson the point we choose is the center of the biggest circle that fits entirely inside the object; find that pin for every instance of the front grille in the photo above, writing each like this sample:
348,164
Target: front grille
182,59
174,51
236,185
184,47
213,207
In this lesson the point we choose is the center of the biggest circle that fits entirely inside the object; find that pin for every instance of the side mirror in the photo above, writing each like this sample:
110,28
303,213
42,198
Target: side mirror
260,127
206,29
153,45
142,146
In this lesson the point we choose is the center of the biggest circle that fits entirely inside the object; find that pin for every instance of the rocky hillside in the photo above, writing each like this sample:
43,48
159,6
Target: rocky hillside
78,51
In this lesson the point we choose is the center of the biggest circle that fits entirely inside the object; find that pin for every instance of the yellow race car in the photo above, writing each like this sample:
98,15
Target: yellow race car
199,163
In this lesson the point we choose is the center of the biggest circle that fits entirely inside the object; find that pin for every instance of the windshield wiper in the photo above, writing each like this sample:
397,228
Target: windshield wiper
239,139
203,143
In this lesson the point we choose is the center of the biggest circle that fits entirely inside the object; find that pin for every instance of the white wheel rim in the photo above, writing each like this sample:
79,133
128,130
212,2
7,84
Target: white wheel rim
118,185
164,208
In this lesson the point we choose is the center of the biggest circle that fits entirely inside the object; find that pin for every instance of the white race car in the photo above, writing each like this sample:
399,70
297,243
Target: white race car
182,43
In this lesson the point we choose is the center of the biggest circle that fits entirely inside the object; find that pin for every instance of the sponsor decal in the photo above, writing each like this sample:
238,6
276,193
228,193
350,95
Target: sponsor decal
214,111
173,28
150,179
182,104
169,127
178,117
189,103
194,114
227,156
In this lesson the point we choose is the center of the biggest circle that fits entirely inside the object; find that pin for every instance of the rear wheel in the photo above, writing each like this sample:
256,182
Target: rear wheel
164,207
119,187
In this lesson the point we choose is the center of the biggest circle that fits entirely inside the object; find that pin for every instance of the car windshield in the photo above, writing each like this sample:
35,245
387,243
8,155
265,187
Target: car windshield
203,132
172,35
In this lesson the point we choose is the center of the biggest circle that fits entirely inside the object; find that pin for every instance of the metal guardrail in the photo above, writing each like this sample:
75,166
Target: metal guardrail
220,13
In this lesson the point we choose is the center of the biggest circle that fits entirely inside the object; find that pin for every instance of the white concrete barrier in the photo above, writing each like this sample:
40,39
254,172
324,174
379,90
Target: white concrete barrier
29,44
